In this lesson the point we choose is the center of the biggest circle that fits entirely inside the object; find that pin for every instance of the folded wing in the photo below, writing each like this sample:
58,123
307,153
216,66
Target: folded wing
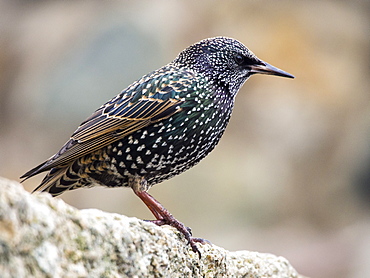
136,107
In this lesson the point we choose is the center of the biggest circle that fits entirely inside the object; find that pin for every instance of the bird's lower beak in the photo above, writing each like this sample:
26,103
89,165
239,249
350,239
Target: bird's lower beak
266,68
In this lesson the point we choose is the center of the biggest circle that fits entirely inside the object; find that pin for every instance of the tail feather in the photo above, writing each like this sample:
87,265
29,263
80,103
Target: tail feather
51,182
59,180
36,170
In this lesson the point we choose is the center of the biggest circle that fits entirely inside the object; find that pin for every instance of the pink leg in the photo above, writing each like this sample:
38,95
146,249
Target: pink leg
164,217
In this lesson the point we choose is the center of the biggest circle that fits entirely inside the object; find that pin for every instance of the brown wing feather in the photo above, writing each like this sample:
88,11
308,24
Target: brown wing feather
106,122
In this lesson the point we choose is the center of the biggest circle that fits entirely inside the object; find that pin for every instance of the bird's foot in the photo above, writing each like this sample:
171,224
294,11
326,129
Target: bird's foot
164,217
186,231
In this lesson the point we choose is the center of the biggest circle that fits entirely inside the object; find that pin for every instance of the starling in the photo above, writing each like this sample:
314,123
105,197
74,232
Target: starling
158,127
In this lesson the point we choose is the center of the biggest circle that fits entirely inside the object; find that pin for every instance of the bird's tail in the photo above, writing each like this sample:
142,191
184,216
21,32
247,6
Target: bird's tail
58,180
36,170
50,182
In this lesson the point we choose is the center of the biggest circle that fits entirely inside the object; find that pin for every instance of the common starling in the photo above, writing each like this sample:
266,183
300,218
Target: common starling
158,127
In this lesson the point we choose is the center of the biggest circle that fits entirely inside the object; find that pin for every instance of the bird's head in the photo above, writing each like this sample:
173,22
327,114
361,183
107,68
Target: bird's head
226,62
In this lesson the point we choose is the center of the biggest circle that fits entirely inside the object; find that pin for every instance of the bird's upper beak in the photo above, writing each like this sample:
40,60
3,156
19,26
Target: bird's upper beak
265,68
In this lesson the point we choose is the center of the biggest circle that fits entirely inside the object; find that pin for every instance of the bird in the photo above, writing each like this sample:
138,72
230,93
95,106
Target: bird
158,127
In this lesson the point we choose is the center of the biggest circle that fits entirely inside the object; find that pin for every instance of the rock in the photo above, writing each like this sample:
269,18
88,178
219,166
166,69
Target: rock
41,236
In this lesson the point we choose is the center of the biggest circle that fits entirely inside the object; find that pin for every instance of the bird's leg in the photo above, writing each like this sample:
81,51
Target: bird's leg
162,215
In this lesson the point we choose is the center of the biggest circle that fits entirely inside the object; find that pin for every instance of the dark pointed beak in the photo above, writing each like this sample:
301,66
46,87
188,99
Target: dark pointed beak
265,68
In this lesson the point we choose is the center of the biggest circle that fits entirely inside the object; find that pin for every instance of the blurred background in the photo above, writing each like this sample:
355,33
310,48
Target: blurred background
291,175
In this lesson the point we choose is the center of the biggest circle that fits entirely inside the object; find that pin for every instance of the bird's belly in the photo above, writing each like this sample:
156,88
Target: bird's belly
163,150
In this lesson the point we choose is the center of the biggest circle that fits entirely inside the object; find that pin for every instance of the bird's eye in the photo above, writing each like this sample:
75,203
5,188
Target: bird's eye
239,59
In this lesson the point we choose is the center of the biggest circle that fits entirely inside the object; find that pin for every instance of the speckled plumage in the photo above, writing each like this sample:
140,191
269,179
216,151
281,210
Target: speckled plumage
158,127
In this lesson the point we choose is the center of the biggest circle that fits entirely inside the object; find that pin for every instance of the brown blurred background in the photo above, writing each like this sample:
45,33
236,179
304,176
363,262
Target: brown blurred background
291,175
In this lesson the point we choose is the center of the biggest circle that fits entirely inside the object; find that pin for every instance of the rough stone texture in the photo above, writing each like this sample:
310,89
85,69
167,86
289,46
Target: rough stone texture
44,237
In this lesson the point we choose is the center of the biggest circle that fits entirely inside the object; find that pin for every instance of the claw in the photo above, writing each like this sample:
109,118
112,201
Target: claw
189,230
201,240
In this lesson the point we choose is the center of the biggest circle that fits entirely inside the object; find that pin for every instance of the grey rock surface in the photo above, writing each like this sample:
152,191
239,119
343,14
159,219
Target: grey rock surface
42,236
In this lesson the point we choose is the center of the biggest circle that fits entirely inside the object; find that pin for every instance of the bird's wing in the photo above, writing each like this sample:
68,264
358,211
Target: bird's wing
149,100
